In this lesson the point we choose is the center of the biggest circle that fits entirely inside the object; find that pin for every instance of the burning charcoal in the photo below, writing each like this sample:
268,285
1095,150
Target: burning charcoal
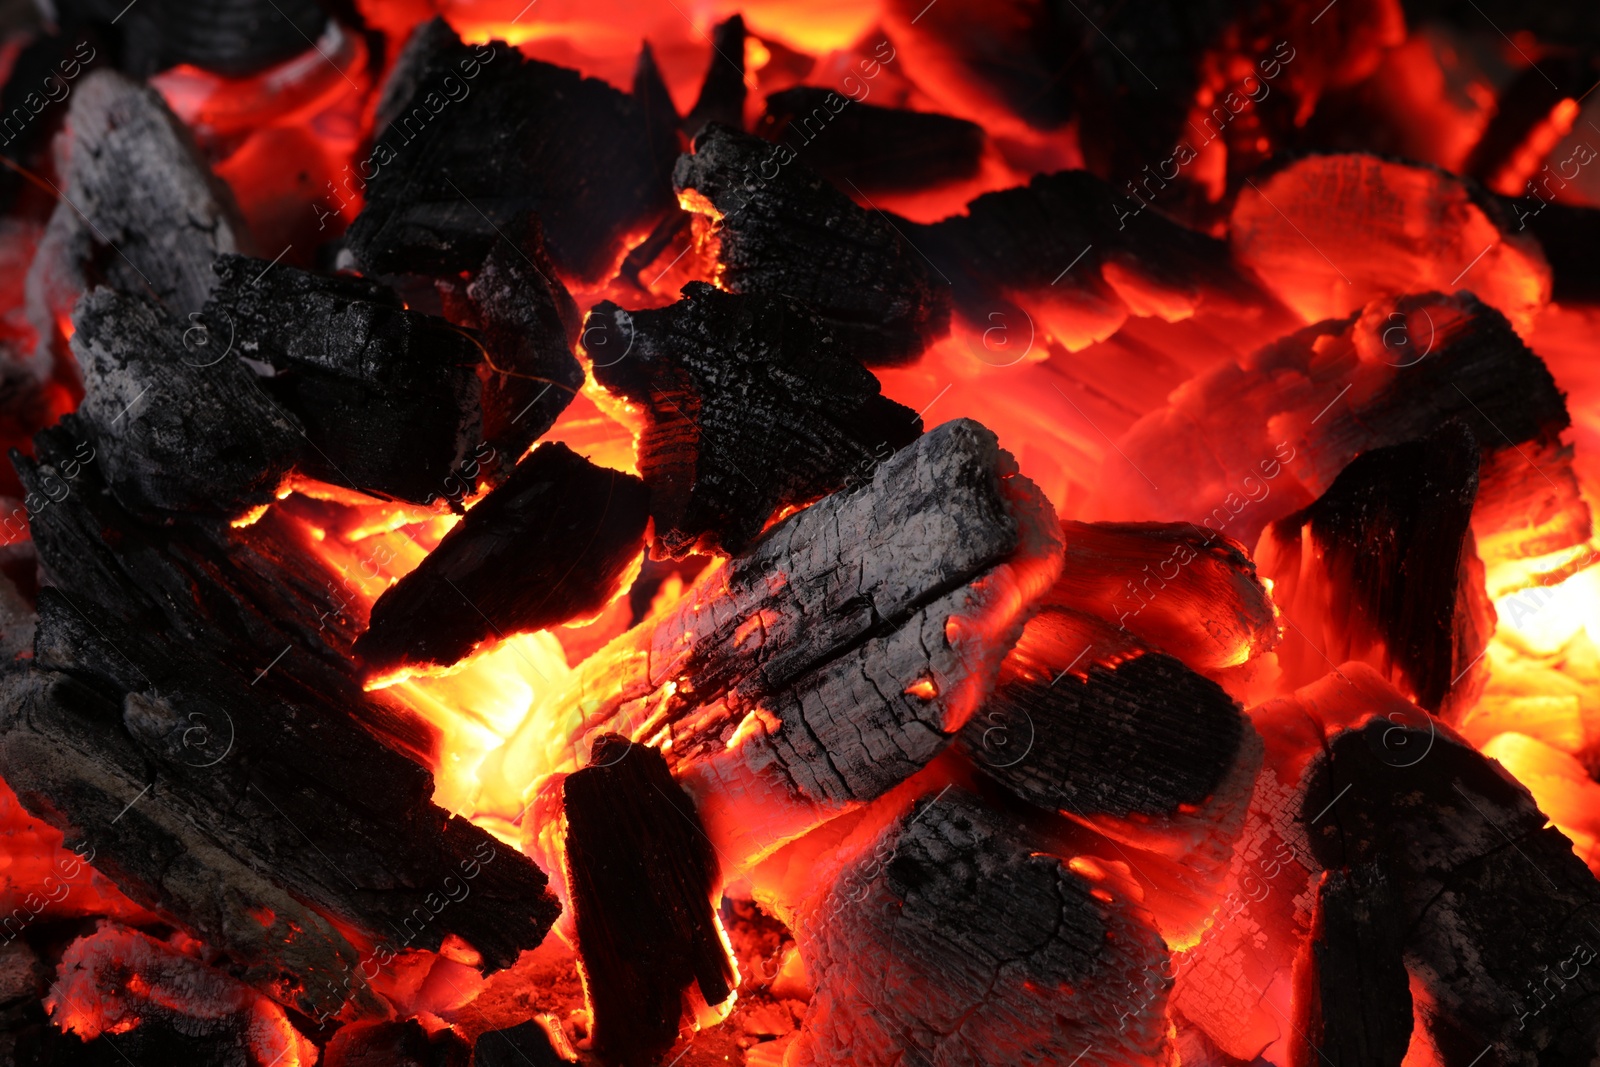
1064,249
528,324
237,38
1382,568
870,148
834,659
642,875
749,408
139,210
473,139
1145,737
178,1009
1519,125
1170,587
1497,910
722,90
523,1045
1358,1007
550,545
389,397
172,433
396,1044
1263,437
785,230
204,647
1330,233
955,934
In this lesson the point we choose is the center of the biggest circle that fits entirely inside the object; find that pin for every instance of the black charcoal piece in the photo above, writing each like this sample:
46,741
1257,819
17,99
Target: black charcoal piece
784,230
173,433
868,149
722,91
1141,738
235,38
1357,1007
471,140
550,545
523,1045
641,871
389,398
750,405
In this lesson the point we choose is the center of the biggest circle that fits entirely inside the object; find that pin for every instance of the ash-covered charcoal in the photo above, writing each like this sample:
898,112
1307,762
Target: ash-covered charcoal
471,140
172,433
1067,249
551,544
1498,912
871,149
783,230
750,406
388,397
958,934
836,657
528,325
139,211
1356,1008
236,38
1145,737
524,1045
642,873
722,91
1383,568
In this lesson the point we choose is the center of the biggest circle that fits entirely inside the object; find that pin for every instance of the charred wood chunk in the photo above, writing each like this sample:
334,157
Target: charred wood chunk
389,398
1266,436
783,230
871,148
523,1045
1389,227
834,659
641,872
235,38
528,325
396,1044
1142,738
1358,1007
750,406
551,544
1172,587
1498,912
1063,245
1395,578
722,90
140,211
954,935
473,139
171,432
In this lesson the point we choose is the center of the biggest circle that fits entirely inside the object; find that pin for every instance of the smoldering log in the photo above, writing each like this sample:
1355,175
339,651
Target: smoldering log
1064,246
550,545
388,398
140,210
750,406
528,325
1356,1007
473,139
722,90
1310,402
1145,737
1472,858
869,148
186,666
641,872
783,230
174,429
1176,588
955,934
836,657
1383,568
